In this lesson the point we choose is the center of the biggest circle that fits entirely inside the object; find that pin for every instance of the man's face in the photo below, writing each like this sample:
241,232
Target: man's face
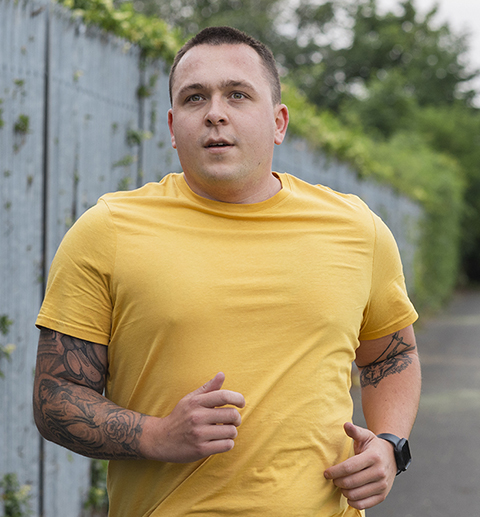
223,122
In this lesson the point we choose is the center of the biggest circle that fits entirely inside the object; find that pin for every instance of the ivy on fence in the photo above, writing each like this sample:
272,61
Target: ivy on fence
152,35
15,497
5,350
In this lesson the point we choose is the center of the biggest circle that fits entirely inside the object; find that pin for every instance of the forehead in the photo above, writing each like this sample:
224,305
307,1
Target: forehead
212,64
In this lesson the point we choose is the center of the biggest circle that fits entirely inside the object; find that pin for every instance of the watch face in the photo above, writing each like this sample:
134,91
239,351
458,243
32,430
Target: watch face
401,449
403,455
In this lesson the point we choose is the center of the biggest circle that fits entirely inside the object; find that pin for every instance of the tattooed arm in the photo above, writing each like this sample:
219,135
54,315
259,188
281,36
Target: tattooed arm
70,410
390,382
69,407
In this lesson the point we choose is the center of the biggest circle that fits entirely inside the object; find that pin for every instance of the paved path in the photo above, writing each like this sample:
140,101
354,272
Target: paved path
444,478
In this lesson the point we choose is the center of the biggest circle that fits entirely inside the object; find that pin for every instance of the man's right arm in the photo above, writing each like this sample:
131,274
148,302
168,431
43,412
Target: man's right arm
70,410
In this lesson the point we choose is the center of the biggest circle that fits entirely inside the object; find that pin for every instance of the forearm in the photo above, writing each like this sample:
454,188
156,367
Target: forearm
70,410
69,407
85,422
390,401
82,420
390,382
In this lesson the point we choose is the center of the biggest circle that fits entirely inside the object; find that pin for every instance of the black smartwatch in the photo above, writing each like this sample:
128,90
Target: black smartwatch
400,449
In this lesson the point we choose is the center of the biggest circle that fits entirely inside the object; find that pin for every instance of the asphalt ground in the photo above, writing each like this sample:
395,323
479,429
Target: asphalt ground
444,477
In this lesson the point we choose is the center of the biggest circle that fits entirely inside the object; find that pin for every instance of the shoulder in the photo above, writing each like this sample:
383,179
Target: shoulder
167,187
345,208
115,209
324,193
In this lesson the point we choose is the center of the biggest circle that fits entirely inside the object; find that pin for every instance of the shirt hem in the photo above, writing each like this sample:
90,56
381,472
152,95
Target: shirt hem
72,330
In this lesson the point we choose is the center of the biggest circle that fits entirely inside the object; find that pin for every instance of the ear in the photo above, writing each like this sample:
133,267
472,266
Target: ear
170,127
281,123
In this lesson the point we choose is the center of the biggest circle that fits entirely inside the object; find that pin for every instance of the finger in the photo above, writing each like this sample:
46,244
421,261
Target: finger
219,432
366,491
212,385
208,435
218,446
359,478
224,416
367,502
221,398
350,467
359,435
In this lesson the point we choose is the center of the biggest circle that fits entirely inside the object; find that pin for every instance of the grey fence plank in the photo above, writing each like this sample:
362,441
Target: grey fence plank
92,107
159,157
22,37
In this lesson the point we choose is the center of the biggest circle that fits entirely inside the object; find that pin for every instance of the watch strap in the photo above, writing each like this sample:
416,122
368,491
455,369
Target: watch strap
394,440
401,451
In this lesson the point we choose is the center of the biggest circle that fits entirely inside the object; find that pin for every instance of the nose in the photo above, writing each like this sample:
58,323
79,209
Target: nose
216,113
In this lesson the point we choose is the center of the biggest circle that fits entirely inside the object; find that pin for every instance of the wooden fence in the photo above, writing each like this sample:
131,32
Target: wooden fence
80,115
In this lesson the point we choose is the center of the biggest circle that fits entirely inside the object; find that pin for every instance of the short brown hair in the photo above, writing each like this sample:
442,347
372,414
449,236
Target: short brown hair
231,36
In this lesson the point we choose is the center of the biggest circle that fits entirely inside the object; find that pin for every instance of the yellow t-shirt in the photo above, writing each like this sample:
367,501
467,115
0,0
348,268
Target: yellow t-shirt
274,294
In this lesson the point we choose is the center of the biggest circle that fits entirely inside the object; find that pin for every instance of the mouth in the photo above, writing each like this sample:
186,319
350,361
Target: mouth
217,144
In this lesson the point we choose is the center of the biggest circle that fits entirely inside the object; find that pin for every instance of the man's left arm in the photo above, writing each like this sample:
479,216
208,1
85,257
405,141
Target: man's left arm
390,382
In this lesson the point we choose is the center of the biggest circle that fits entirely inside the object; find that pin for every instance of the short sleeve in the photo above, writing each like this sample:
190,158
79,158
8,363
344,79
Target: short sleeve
78,298
389,308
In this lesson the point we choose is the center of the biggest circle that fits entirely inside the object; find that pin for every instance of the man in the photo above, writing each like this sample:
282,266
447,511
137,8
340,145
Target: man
221,310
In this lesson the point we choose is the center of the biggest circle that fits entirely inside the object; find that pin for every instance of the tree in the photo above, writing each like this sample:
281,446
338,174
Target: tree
337,50
257,17
428,59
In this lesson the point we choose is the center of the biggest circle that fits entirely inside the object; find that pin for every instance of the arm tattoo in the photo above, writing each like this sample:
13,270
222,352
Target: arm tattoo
394,359
72,359
68,403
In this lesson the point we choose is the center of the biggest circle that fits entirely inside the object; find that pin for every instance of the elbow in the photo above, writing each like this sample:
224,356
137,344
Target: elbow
38,418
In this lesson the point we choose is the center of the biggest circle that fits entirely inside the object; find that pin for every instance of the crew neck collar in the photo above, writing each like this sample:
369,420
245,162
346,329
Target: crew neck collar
236,207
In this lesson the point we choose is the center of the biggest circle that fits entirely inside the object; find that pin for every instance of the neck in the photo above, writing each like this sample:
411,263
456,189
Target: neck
236,194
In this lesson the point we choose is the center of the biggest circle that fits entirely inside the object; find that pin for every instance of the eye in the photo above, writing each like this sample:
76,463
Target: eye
238,96
196,97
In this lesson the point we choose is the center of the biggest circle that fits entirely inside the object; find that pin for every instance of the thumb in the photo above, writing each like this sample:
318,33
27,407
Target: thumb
359,435
212,385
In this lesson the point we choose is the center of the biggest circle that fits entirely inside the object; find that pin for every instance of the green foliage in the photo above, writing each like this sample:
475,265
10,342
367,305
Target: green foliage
326,132
152,35
2,122
336,50
5,324
97,496
257,17
137,136
126,161
16,498
5,350
428,59
22,125
389,106
435,180
146,90
124,183
456,130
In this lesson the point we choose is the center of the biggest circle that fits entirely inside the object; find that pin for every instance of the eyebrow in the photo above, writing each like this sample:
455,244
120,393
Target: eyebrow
229,83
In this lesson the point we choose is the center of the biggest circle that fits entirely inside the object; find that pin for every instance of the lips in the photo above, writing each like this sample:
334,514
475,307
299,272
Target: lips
212,144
